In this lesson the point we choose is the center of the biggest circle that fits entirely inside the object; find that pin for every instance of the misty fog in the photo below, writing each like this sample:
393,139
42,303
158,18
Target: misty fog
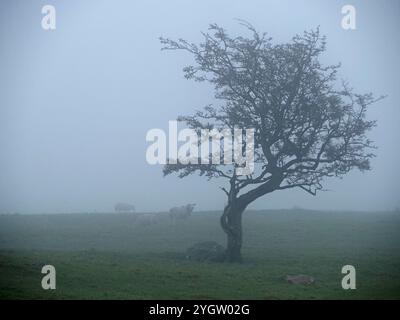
76,103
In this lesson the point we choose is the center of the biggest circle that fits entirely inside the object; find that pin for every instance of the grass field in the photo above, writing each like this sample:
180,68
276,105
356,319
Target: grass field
109,256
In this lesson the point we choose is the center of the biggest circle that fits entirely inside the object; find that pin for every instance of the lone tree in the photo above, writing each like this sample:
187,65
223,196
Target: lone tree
307,127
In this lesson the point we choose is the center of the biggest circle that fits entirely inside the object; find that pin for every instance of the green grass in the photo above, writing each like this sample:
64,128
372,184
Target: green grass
109,256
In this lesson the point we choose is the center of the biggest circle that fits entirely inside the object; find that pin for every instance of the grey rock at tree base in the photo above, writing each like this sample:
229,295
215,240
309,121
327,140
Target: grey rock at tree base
208,251
300,279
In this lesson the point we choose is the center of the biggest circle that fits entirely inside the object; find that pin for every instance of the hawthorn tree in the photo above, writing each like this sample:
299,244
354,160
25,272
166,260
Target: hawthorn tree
307,126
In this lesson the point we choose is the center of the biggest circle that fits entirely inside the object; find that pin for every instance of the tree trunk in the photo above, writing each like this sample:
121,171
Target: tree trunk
231,222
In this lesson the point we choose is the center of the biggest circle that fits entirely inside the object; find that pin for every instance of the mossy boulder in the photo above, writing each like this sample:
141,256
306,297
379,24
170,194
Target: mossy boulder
208,251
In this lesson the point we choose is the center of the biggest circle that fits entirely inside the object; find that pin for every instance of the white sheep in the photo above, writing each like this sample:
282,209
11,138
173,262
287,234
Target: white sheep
124,207
181,213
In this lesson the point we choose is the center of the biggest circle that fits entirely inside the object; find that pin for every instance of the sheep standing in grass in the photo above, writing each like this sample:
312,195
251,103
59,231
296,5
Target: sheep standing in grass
124,207
181,213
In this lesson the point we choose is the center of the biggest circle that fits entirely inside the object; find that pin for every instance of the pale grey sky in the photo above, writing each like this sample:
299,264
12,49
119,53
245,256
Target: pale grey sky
76,103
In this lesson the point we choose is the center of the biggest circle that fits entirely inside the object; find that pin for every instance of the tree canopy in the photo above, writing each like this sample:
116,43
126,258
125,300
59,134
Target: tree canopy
307,126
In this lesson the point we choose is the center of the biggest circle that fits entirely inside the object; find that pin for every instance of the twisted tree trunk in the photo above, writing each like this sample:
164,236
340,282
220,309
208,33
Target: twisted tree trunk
231,223
231,219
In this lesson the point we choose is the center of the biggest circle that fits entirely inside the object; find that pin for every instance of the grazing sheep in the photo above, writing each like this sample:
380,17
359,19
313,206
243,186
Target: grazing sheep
181,213
124,207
